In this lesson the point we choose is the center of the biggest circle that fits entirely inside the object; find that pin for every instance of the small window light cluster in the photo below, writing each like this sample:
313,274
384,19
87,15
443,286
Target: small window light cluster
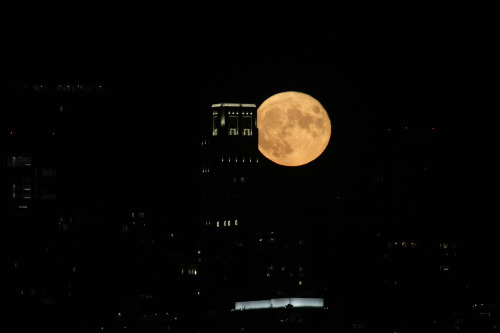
226,223
242,159
444,268
402,245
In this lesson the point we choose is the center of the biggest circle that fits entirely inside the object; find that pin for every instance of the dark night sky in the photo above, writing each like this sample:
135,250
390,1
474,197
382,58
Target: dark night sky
421,64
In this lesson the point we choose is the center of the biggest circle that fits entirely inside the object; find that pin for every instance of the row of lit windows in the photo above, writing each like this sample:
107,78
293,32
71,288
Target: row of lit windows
69,88
245,113
206,169
236,160
18,161
402,245
233,131
189,269
233,124
226,223
413,245
271,268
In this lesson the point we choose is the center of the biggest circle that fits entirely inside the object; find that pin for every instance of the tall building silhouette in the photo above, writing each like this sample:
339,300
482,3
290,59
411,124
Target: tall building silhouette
247,256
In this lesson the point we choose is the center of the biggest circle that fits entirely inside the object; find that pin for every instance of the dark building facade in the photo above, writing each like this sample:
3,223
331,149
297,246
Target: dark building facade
46,212
92,243
245,253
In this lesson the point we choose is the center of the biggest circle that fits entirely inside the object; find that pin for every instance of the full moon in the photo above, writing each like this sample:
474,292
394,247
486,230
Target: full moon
294,128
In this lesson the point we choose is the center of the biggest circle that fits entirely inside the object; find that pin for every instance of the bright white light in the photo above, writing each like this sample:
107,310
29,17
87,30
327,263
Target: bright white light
280,303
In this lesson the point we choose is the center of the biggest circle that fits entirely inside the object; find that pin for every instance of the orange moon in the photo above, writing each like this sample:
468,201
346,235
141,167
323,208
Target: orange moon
294,128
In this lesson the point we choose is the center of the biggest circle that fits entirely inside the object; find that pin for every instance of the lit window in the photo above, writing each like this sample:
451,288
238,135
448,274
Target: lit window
233,124
242,179
225,224
443,245
23,207
217,224
235,222
141,215
229,223
300,283
444,268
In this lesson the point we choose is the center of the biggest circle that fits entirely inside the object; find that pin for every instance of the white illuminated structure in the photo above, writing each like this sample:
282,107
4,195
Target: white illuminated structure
280,303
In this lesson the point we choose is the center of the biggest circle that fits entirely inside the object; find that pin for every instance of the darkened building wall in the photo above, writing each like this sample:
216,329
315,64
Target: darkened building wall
48,205
248,249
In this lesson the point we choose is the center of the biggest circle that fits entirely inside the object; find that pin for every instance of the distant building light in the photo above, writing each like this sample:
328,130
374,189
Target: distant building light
280,303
